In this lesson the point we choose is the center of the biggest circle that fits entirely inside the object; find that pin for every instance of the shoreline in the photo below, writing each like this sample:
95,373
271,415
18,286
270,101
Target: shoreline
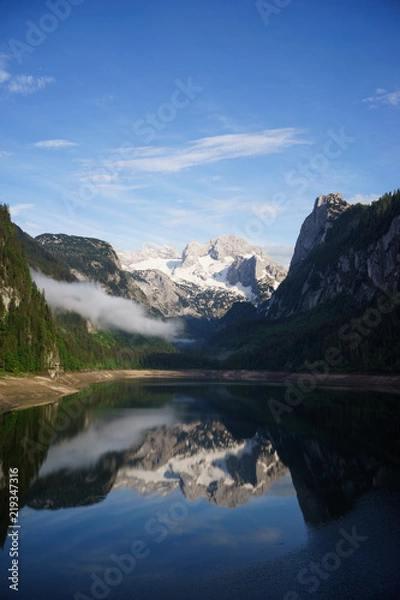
34,390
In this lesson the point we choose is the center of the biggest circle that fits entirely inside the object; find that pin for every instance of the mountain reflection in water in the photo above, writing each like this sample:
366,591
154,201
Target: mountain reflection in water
202,459
216,444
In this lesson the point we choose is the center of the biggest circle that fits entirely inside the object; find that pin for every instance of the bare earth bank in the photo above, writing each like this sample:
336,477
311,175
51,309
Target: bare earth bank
33,390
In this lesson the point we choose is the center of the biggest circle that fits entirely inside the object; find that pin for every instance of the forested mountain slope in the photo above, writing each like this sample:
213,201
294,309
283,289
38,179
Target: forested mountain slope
27,329
340,301
33,338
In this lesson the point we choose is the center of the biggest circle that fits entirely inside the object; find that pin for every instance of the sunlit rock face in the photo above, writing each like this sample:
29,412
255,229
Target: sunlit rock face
335,257
313,231
205,461
206,279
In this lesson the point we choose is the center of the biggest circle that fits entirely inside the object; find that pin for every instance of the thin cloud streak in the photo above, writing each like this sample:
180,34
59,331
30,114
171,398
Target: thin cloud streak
51,144
27,84
213,149
382,97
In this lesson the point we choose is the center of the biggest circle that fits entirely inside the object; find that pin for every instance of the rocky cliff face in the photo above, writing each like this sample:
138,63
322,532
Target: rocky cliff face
206,279
342,249
90,259
313,231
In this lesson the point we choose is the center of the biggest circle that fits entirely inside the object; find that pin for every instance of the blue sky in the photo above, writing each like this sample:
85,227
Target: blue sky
165,122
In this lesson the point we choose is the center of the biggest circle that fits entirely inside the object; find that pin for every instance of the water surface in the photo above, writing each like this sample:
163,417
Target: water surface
192,490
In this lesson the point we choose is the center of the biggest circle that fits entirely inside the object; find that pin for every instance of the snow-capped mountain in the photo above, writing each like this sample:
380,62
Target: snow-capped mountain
205,279
204,461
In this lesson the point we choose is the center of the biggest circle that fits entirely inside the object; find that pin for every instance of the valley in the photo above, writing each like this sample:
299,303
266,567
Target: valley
221,305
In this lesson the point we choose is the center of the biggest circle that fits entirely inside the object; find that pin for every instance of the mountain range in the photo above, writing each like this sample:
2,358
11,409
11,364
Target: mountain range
202,281
236,306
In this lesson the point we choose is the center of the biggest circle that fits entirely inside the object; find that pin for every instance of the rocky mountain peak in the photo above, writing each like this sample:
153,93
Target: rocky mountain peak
206,279
331,200
228,246
313,231
192,252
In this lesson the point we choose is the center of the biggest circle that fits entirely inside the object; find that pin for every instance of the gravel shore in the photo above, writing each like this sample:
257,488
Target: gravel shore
32,390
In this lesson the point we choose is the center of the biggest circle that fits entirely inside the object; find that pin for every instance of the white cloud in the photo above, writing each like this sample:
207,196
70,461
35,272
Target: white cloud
382,97
232,189
212,149
54,144
4,153
21,84
363,198
27,84
107,184
110,312
99,177
18,208
100,437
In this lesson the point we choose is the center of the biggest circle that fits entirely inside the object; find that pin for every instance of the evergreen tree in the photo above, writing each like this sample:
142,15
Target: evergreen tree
27,329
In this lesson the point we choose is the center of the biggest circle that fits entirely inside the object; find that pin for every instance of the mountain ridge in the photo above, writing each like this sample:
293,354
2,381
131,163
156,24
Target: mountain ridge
227,265
356,251
345,258
343,295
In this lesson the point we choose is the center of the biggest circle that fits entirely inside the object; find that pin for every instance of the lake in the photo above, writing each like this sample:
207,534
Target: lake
189,490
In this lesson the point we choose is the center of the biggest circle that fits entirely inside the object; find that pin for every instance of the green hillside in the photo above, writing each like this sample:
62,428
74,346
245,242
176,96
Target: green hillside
361,340
27,328
80,348
351,331
32,338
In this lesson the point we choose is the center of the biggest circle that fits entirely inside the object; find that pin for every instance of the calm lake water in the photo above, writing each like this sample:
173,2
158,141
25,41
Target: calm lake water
193,490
